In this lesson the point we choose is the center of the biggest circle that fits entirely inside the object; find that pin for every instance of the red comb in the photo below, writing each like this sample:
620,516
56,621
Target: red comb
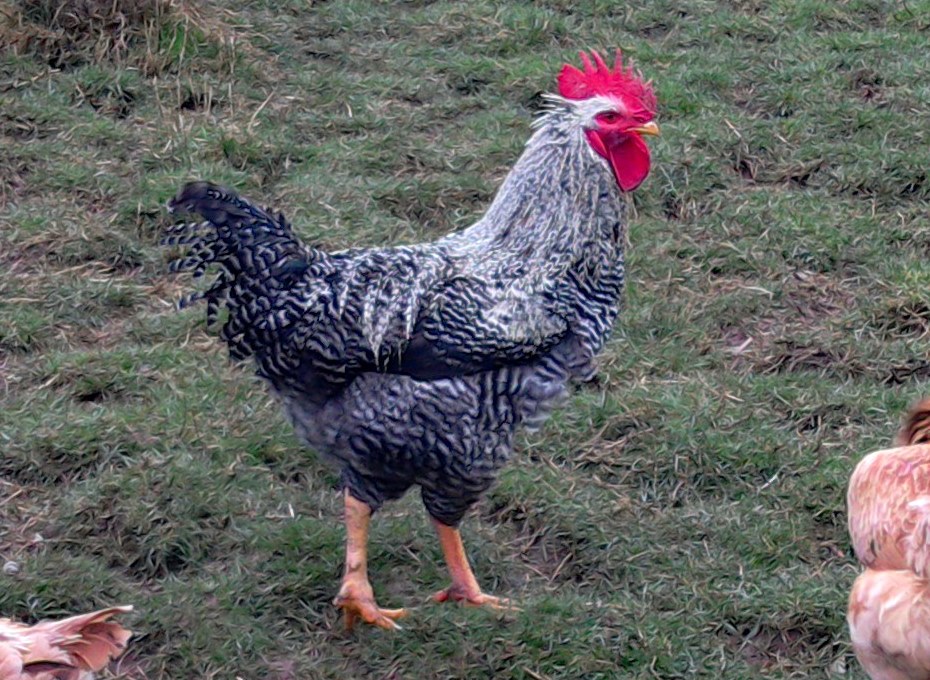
599,79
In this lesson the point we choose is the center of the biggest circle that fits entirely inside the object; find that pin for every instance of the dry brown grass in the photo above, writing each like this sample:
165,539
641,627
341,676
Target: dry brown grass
145,34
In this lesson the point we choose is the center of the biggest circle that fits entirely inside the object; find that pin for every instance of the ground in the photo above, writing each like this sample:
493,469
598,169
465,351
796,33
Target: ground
684,518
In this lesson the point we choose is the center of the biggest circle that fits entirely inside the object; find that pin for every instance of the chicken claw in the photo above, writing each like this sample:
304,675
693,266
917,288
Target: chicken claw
369,612
464,586
479,599
356,597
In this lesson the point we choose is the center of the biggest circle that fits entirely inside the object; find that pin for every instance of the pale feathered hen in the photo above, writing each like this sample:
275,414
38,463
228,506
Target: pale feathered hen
889,522
70,649
416,365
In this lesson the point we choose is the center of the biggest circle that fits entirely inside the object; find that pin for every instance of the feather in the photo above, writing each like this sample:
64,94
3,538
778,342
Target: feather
417,364
916,427
62,650
889,522
889,624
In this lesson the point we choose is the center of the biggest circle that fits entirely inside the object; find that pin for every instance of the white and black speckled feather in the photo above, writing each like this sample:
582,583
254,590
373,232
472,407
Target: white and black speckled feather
417,364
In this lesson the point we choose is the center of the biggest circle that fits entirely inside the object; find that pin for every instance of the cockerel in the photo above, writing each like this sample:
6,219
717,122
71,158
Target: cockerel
416,365
69,649
889,522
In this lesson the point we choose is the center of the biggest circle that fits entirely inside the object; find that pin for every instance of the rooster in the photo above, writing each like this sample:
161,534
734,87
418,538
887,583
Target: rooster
889,522
70,649
416,365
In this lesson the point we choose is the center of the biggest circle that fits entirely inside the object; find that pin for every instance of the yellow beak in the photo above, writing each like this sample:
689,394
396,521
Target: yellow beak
649,128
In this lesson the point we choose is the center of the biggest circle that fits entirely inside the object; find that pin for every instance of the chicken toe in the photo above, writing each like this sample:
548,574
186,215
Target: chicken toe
368,611
356,597
456,593
464,586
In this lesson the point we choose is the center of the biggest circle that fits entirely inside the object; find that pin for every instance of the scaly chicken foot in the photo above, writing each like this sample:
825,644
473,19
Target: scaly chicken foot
358,602
464,586
356,597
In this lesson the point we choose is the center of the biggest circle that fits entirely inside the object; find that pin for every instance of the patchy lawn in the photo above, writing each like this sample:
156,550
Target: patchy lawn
683,519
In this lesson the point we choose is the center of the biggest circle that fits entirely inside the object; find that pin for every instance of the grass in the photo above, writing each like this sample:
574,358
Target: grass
684,519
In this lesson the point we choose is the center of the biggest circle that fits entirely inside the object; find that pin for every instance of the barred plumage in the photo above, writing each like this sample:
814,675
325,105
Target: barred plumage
417,364
376,351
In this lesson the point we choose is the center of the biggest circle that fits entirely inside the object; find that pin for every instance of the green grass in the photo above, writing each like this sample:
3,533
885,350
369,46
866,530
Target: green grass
684,519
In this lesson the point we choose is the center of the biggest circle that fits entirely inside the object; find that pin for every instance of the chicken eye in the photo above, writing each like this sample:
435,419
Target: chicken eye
610,117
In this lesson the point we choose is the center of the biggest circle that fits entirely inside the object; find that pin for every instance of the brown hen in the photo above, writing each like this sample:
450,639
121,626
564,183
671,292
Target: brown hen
889,519
70,649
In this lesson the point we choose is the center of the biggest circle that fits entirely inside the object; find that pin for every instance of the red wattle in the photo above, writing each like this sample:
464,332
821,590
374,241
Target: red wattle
630,161
627,154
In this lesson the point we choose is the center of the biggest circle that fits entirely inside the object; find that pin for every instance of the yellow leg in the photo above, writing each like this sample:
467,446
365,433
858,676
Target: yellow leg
356,597
464,586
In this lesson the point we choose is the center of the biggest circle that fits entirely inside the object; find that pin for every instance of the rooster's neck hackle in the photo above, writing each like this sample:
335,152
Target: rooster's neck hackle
558,206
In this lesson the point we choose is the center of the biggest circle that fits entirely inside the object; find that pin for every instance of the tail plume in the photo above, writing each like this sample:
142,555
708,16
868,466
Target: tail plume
256,255
62,649
916,427
217,204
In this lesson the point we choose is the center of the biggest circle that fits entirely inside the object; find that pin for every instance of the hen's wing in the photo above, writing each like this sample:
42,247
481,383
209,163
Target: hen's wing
889,624
889,509
469,325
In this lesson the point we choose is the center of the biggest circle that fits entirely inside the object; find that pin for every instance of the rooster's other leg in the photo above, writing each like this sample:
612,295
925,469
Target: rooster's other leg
464,586
356,598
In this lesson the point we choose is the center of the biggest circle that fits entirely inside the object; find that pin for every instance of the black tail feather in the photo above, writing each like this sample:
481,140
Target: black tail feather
256,256
216,204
